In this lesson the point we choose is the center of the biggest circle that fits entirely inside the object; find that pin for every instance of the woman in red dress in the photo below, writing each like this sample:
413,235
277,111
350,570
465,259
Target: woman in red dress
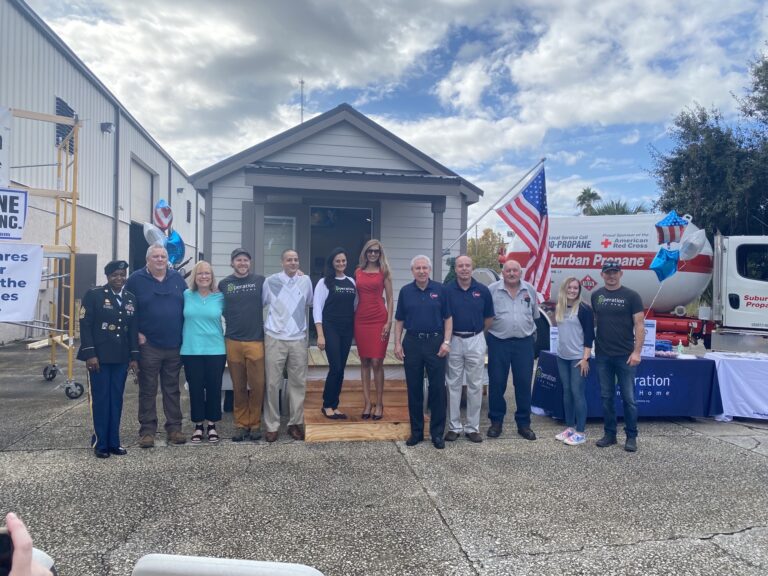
373,319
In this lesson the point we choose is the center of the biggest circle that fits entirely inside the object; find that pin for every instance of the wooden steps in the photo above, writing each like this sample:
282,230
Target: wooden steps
393,426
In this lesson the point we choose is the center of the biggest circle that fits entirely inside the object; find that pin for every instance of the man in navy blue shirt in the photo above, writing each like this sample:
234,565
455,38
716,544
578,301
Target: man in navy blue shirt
424,312
159,292
472,309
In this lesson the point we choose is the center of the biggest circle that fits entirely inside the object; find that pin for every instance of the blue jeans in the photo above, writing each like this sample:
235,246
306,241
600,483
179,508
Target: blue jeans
612,370
515,353
574,394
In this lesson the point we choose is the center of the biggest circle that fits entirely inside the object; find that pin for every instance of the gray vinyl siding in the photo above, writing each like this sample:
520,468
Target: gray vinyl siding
229,193
451,227
342,145
406,230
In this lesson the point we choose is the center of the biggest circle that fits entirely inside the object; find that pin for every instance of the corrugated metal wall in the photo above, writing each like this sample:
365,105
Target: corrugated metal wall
33,74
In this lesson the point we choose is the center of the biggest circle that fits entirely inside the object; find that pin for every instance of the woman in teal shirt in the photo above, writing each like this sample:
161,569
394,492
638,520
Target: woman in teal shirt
203,351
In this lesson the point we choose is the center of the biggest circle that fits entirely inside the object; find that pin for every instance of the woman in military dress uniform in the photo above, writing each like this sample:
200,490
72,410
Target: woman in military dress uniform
109,344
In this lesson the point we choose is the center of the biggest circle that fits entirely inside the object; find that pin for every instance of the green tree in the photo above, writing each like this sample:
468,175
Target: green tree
617,207
716,172
485,249
586,198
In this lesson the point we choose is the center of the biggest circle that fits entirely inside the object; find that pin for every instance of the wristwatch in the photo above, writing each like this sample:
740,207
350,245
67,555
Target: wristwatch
447,342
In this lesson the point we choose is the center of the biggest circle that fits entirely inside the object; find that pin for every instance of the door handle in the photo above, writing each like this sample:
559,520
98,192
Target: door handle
733,300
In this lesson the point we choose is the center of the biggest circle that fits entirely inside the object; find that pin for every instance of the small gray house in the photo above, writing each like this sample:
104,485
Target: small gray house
336,180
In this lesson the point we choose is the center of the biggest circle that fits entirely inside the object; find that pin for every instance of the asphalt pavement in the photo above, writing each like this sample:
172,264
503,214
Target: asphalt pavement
692,501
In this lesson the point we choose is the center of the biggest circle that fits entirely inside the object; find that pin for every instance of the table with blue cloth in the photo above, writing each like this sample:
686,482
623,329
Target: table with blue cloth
667,387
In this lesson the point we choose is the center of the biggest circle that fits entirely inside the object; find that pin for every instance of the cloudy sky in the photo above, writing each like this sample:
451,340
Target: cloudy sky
485,87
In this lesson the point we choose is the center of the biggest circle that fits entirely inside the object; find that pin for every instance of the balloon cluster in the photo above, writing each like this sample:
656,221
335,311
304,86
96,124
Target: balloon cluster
161,232
673,228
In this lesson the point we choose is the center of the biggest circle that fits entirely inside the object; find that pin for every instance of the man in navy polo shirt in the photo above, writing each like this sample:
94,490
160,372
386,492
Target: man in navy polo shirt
424,312
159,292
472,309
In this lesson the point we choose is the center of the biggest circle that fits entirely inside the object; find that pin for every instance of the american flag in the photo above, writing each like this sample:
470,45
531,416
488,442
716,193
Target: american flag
527,215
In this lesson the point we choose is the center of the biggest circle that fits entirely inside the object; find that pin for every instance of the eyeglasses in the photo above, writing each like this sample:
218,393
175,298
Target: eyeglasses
203,274
373,251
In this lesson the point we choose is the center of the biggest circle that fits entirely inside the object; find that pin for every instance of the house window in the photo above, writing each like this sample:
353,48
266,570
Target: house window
189,211
63,130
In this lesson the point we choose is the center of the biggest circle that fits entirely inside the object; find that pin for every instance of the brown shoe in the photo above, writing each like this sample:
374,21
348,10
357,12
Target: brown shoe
475,437
270,436
295,432
176,437
147,441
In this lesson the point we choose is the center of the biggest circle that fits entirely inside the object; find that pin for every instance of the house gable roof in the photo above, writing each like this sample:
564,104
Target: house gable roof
410,159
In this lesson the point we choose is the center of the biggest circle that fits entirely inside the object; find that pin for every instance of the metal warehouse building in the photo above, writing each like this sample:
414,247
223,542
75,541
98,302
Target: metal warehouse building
123,171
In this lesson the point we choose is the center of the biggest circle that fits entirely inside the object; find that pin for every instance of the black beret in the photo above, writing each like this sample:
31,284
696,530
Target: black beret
115,265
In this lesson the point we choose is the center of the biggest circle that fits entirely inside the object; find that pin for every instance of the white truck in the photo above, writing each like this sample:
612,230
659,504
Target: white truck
738,267
740,293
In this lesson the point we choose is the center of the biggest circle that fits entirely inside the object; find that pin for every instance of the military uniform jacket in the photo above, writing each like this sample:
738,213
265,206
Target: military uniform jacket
108,327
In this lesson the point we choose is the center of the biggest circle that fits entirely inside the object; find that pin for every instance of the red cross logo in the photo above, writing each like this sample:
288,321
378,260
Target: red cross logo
606,242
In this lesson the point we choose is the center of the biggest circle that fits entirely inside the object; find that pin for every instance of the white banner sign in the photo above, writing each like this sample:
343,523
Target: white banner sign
20,269
649,345
13,213
5,147
553,334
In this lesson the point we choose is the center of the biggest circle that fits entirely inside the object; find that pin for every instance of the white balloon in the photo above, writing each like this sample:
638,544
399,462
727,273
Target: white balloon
692,245
153,234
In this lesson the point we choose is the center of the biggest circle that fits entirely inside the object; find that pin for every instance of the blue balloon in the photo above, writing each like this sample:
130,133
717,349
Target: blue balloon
175,247
665,263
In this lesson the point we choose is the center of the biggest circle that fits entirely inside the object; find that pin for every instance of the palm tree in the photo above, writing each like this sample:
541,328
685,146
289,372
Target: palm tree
585,200
617,207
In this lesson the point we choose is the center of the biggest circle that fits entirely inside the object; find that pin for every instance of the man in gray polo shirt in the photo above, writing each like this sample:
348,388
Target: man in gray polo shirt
511,344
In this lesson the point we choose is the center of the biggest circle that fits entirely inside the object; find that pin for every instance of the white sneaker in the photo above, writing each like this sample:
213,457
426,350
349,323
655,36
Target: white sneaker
575,439
565,434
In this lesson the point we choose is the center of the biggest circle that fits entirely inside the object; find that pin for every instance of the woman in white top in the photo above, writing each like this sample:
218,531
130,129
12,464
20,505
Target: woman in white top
333,310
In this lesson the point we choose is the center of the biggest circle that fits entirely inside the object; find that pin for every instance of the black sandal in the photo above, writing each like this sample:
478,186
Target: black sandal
197,435
213,436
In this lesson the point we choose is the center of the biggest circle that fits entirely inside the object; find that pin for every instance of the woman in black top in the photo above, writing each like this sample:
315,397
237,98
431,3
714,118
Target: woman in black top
333,310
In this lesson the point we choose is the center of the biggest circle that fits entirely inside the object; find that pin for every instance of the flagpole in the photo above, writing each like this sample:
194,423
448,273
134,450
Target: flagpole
447,251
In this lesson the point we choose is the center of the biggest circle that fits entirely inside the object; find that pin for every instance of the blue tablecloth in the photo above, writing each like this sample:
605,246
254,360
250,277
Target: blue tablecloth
663,387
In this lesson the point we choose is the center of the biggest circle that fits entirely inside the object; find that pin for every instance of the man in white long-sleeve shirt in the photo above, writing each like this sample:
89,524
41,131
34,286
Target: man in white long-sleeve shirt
286,296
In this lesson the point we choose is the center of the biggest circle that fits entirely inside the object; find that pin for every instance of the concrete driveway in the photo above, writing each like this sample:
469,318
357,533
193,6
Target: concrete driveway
693,500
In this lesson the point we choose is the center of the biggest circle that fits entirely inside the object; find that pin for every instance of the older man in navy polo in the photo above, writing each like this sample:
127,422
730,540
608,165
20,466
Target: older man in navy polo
511,344
424,312
472,309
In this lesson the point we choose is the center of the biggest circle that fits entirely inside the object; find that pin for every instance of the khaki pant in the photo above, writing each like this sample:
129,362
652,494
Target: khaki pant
466,364
292,356
246,368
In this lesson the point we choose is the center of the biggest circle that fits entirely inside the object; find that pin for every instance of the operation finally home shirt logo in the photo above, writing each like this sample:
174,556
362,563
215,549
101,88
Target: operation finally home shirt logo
611,302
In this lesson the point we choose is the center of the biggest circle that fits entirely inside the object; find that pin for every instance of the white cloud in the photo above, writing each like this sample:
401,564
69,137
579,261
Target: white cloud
567,158
631,138
228,72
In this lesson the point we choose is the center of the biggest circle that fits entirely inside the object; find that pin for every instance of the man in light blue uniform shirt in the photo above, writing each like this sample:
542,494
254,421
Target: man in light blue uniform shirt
511,344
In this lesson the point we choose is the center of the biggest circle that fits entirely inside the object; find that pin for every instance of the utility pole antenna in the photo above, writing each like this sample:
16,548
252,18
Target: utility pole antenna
301,83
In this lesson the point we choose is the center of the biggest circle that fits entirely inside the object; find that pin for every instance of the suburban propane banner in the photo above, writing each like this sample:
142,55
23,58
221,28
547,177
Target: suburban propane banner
20,268
13,213
5,145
